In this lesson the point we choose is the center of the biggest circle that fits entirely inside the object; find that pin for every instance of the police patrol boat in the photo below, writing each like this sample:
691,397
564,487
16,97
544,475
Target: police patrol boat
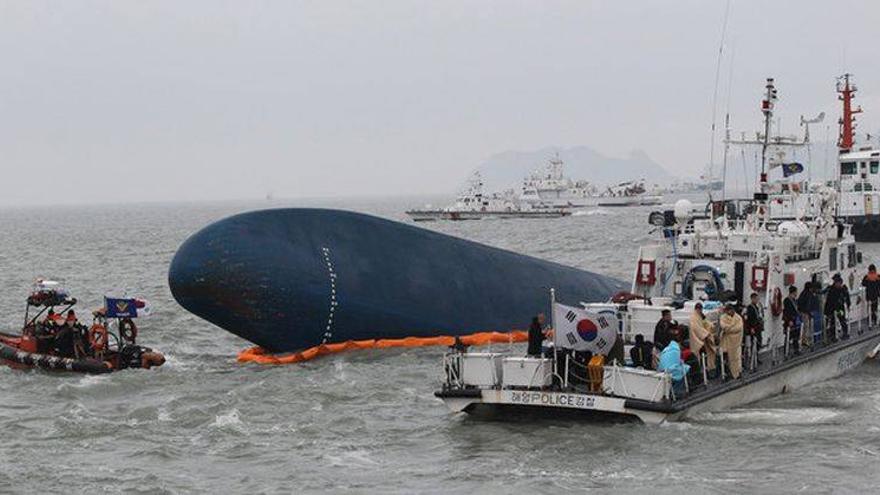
473,204
712,259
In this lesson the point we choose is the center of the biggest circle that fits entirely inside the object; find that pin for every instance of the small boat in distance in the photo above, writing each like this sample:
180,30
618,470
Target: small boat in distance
54,339
473,204
552,187
630,193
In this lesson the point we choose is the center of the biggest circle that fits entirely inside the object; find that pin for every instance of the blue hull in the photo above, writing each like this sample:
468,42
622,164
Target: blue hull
289,279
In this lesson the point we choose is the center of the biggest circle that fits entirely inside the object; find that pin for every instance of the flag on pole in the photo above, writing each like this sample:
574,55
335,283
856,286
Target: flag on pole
127,307
789,169
582,330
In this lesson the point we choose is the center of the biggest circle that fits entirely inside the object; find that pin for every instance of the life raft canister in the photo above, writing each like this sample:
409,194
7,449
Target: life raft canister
646,273
776,302
98,337
759,277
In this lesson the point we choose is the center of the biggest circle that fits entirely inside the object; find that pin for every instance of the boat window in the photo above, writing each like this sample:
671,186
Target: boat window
875,166
868,187
832,259
863,164
847,168
857,187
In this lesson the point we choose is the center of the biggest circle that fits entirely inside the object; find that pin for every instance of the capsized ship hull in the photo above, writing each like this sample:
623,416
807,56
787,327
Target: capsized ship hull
290,279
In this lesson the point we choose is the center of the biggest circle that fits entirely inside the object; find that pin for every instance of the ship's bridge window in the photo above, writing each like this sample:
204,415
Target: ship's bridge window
847,168
875,166
863,186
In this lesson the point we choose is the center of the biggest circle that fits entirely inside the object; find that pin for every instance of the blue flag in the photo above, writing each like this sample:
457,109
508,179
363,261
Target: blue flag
120,308
789,169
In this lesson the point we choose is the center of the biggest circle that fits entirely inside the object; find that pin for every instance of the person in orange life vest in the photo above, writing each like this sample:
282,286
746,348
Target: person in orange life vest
871,283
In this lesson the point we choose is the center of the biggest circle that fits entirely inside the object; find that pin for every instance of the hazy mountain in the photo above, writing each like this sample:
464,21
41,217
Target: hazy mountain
507,169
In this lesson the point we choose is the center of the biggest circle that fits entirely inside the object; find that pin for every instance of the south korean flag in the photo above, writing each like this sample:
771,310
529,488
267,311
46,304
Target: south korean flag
583,330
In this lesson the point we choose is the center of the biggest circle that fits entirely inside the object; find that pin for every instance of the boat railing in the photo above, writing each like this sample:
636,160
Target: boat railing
452,367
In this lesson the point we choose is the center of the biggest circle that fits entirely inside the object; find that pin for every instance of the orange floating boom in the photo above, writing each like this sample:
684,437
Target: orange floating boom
261,356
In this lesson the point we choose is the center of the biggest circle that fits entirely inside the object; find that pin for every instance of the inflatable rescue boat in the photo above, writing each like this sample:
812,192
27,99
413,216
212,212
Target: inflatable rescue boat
53,339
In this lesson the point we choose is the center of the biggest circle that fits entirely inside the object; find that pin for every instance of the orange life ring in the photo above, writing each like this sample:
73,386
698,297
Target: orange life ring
776,302
98,337
128,329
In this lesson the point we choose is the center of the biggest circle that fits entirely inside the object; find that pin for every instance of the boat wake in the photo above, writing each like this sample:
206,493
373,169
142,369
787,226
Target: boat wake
590,213
769,416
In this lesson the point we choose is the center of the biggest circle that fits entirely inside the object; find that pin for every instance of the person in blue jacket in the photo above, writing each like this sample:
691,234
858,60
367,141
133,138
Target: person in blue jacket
671,362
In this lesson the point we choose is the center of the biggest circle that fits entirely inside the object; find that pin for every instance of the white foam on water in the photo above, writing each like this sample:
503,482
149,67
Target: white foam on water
589,213
783,417
350,458
229,419
86,381
163,416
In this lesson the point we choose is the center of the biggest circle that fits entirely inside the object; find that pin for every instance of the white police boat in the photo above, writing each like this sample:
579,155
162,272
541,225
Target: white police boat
726,254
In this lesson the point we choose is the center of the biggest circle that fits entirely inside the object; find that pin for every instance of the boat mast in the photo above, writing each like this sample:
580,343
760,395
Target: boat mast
767,105
846,92
767,108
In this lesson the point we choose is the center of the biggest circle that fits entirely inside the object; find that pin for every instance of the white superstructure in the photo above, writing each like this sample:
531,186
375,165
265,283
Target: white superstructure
551,186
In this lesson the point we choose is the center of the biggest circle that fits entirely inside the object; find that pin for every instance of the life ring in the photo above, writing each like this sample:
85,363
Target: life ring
98,337
776,302
128,329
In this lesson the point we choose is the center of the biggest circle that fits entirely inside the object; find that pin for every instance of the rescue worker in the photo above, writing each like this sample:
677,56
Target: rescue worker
45,332
662,330
810,305
837,304
701,337
731,339
871,283
754,329
63,344
662,335
135,356
791,321
641,353
536,335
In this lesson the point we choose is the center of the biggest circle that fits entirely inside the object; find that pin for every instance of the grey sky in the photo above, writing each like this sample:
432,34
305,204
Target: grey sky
158,100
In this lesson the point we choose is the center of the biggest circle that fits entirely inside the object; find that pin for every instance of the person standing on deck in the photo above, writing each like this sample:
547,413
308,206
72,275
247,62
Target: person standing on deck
791,321
663,330
837,304
731,339
536,335
754,328
702,337
871,283
662,334
803,306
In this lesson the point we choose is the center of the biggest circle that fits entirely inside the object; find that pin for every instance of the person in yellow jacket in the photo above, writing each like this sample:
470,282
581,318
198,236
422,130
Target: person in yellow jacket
732,339
702,336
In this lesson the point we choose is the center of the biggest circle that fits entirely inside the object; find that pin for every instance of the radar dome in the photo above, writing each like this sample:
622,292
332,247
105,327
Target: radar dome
683,209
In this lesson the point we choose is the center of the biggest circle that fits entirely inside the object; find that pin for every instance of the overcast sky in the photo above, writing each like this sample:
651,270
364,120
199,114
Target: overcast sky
151,100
